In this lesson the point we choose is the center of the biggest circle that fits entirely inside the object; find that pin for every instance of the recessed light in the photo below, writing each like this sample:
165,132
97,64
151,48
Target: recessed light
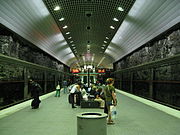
71,41
120,9
65,27
69,37
105,41
57,8
115,19
88,27
107,38
67,33
102,47
61,19
112,27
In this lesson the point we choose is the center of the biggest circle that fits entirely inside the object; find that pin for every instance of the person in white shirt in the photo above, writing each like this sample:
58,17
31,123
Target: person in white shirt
74,89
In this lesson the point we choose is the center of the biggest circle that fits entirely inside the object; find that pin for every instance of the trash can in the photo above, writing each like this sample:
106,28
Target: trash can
91,123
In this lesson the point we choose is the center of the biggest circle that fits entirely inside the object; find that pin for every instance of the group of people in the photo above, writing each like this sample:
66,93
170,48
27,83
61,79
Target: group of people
105,95
58,88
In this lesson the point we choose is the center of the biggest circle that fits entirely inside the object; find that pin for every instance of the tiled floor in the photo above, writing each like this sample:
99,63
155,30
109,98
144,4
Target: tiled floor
56,117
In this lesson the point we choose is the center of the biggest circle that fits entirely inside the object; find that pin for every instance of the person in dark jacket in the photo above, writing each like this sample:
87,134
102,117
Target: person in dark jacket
35,89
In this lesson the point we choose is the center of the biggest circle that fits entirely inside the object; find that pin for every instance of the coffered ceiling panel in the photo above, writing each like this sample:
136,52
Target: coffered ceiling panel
83,32
89,25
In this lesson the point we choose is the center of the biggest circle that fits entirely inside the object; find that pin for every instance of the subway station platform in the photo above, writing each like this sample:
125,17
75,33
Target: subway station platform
56,117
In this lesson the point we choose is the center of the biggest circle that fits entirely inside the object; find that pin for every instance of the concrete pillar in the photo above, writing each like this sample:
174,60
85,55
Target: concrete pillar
45,82
151,83
120,82
25,83
131,82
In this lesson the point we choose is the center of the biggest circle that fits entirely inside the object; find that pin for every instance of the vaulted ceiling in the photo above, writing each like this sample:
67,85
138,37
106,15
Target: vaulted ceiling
89,32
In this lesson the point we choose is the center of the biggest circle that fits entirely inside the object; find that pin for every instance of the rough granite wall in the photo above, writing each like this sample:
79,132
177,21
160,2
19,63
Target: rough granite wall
13,48
164,48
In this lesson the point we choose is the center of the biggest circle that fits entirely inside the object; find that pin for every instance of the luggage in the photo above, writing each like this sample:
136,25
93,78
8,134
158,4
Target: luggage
90,104
35,103
69,99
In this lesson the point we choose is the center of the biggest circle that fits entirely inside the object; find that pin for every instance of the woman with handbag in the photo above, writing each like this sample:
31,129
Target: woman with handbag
110,98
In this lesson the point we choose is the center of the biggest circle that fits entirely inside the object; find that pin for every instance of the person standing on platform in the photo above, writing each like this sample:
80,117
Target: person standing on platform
65,86
35,89
110,98
76,88
58,90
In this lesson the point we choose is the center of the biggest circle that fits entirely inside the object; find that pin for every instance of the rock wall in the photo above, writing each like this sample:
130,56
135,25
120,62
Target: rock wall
24,52
156,50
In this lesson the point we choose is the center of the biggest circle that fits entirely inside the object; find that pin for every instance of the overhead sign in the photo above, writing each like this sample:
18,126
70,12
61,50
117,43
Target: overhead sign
101,71
75,71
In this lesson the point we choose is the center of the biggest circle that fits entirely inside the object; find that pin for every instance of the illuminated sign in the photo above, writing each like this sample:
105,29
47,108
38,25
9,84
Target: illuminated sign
101,70
75,71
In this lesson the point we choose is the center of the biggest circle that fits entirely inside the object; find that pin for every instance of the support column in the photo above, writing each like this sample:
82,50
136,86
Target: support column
45,82
88,78
151,91
25,83
82,79
131,82
120,82
56,76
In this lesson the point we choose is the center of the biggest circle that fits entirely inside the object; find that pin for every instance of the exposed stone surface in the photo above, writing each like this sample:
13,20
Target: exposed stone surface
164,48
24,52
163,90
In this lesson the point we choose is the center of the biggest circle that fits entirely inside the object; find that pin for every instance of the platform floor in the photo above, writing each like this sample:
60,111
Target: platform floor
56,117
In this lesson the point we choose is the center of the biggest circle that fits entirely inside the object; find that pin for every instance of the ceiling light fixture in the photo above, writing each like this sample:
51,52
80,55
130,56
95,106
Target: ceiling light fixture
107,38
61,19
67,33
112,27
120,9
105,41
71,41
57,8
115,19
69,37
65,27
